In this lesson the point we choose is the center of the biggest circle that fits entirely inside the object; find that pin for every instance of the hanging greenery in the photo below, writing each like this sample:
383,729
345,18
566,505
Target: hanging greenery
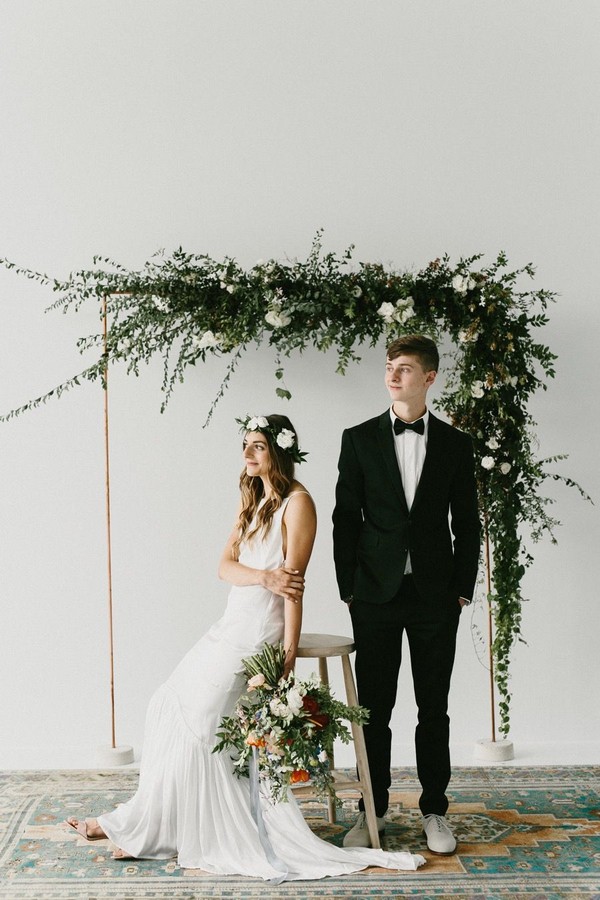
185,306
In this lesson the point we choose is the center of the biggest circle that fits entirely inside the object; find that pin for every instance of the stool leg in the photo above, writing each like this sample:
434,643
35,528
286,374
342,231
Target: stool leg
324,676
362,761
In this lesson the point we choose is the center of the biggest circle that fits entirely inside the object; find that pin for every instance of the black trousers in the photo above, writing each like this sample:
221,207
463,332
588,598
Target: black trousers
431,633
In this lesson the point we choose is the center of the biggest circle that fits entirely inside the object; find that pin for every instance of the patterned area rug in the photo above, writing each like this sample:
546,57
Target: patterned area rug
525,833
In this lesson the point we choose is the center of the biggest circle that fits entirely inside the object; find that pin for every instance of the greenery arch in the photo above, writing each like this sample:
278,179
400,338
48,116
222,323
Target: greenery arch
185,306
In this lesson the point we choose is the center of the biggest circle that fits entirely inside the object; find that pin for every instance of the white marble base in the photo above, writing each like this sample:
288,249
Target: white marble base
108,757
494,751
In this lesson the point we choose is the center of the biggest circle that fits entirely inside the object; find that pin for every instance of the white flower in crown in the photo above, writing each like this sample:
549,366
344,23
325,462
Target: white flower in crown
277,318
207,341
257,422
492,444
386,311
505,468
285,438
488,462
477,390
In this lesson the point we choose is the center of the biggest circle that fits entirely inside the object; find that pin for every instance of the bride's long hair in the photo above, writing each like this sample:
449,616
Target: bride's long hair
280,473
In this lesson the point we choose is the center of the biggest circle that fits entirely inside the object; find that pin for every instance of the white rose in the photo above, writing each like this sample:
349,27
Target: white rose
459,283
477,390
512,380
492,444
505,468
409,301
471,284
222,285
357,292
488,462
294,700
257,422
387,310
285,438
403,315
207,340
277,318
230,288
278,708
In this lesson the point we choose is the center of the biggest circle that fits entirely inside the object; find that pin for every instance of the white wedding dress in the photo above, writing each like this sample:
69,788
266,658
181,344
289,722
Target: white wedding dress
189,802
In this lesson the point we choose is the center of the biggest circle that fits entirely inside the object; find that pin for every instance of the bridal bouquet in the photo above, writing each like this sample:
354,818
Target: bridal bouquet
286,725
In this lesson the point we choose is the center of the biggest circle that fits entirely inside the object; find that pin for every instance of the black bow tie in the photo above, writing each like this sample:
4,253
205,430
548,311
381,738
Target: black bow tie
400,426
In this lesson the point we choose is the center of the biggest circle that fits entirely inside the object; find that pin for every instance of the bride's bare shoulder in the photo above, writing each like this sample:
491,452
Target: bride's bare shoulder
298,488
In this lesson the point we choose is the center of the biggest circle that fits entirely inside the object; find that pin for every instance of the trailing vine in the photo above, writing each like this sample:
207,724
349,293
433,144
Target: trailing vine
185,307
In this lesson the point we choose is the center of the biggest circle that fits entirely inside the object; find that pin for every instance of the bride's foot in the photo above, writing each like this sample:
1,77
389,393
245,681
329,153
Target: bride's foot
87,828
120,854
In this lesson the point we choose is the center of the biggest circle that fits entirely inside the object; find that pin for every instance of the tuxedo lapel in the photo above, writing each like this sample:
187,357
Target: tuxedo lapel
386,444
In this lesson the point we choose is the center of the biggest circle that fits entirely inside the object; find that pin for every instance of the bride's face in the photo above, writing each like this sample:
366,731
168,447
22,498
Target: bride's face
256,454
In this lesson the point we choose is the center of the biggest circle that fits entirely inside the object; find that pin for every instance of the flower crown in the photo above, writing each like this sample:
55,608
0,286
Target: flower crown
283,437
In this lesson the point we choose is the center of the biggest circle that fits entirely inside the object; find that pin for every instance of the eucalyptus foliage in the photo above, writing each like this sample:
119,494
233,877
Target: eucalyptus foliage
185,307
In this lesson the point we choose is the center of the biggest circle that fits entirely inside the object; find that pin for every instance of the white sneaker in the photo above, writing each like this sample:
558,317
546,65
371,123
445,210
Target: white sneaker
440,839
358,836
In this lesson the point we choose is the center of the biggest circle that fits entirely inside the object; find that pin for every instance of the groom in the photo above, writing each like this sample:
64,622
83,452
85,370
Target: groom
406,538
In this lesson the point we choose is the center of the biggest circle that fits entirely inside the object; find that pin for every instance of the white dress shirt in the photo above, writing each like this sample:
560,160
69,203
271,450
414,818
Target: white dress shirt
410,452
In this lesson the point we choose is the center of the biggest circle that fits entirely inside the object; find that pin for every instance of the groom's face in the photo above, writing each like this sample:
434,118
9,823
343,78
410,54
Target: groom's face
406,379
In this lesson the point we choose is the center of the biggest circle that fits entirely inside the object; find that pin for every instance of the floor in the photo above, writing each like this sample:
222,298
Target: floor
523,832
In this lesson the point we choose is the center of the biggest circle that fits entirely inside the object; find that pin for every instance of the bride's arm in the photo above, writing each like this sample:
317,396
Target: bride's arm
300,527
283,581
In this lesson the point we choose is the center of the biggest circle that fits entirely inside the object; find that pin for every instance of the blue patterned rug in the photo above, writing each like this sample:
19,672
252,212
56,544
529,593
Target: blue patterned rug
525,833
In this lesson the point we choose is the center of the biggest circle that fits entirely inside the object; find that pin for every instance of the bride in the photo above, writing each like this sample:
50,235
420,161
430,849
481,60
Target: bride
189,802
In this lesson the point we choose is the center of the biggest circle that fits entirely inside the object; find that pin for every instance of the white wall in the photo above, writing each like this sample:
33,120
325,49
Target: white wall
409,128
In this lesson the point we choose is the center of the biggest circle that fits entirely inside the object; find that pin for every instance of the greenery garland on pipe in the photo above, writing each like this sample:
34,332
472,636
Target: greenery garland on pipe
185,306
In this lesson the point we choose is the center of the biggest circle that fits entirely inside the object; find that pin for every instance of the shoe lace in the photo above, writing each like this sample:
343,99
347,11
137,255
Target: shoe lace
438,822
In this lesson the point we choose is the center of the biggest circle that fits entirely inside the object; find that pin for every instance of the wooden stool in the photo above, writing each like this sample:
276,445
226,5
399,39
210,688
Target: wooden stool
322,646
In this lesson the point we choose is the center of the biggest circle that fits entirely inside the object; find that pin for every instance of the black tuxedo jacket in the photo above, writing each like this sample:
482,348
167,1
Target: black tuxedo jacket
373,529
